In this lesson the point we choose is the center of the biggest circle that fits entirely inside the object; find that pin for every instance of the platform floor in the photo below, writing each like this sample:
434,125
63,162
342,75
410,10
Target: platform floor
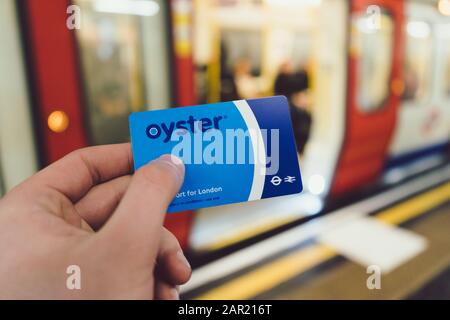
344,279
313,269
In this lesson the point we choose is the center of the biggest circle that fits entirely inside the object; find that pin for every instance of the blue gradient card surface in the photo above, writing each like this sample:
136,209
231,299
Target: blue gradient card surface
233,151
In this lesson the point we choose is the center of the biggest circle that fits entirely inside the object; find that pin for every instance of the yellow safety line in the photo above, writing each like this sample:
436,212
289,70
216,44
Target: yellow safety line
274,273
270,275
416,206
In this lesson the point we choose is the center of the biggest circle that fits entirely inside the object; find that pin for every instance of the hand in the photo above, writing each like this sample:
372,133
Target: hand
87,210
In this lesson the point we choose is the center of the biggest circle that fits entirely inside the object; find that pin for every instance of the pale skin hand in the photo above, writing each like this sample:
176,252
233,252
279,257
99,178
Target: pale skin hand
87,210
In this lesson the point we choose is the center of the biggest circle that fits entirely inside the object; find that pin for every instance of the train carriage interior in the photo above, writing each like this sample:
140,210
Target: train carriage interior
368,88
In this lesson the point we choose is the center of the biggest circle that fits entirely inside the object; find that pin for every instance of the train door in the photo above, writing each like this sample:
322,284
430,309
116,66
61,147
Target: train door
423,114
374,88
255,41
18,159
87,78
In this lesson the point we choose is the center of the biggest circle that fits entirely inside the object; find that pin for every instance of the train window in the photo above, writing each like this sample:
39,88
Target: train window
418,55
239,45
373,47
113,40
241,60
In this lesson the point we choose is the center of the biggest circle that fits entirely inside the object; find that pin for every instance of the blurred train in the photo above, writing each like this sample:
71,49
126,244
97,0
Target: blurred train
378,89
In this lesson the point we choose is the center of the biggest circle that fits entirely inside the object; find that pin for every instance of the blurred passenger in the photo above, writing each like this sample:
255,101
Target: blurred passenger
228,89
294,85
411,83
301,80
247,85
300,103
283,81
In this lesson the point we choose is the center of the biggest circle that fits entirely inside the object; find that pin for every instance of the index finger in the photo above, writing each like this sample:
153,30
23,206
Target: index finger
80,170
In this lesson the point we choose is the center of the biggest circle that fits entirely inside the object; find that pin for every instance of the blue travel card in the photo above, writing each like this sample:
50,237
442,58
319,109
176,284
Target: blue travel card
233,151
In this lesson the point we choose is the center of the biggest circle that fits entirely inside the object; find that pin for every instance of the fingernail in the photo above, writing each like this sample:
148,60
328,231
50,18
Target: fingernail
174,294
183,259
174,162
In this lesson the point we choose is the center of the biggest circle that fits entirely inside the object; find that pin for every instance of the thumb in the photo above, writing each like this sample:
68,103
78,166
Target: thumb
137,222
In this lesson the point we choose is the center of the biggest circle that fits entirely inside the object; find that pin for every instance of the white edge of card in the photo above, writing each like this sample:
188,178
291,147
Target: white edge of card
259,151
